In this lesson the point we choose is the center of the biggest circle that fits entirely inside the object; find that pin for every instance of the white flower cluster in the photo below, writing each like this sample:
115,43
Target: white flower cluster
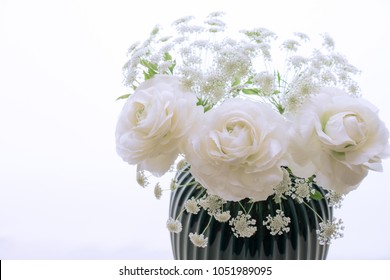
246,129
277,224
216,66
330,230
243,224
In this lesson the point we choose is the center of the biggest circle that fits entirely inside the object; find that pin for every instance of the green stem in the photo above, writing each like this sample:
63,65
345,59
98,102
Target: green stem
197,197
314,211
208,224
250,209
181,213
201,194
243,208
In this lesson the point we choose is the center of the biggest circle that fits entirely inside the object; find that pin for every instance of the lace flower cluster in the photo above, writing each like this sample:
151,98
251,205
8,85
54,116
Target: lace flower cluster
243,225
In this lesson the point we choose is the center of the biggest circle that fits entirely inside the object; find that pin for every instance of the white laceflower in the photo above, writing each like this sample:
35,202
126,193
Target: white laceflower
198,240
300,190
211,203
330,230
238,151
291,45
328,41
297,61
173,186
222,217
154,123
141,178
181,165
243,225
265,81
174,225
338,138
277,224
283,187
334,199
191,206
157,191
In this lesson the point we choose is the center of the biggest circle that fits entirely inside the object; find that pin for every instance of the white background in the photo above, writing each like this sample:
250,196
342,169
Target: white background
65,194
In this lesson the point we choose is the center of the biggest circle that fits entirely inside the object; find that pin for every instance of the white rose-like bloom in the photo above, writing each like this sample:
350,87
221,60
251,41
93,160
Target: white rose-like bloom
154,122
338,138
238,150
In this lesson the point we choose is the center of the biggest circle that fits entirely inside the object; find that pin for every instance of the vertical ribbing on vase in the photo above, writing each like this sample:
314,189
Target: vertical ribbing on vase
299,243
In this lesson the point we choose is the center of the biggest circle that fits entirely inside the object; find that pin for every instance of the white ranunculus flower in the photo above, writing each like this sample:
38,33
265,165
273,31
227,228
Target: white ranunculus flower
154,122
238,150
338,138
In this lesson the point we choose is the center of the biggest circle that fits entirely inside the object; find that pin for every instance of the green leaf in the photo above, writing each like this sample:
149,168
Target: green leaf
316,195
149,65
206,104
249,81
172,66
251,91
236,82
146,76
167,56
125,96
280,108
151,73
277,105
279,78
155,30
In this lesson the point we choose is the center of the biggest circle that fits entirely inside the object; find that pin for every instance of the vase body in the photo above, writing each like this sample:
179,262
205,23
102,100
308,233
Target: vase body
300,243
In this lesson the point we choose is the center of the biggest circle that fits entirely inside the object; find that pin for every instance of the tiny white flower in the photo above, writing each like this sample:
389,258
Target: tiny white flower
157,191
201,44
328,77
141,178
297,61
277,224
283,187
328,41
330,230
133,47
183,20
353,89
166,48
163,67
198,240
334,199
222,217
302,36
211,203
174,225
181,164
216,14
191,206
301,190
243,225
173,185
265,80
215,22
291,45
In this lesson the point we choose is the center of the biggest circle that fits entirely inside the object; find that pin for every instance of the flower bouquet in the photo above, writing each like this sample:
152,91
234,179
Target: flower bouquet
247,126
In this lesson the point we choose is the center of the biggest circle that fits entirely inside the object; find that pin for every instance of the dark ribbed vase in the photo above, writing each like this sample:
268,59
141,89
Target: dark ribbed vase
300,243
